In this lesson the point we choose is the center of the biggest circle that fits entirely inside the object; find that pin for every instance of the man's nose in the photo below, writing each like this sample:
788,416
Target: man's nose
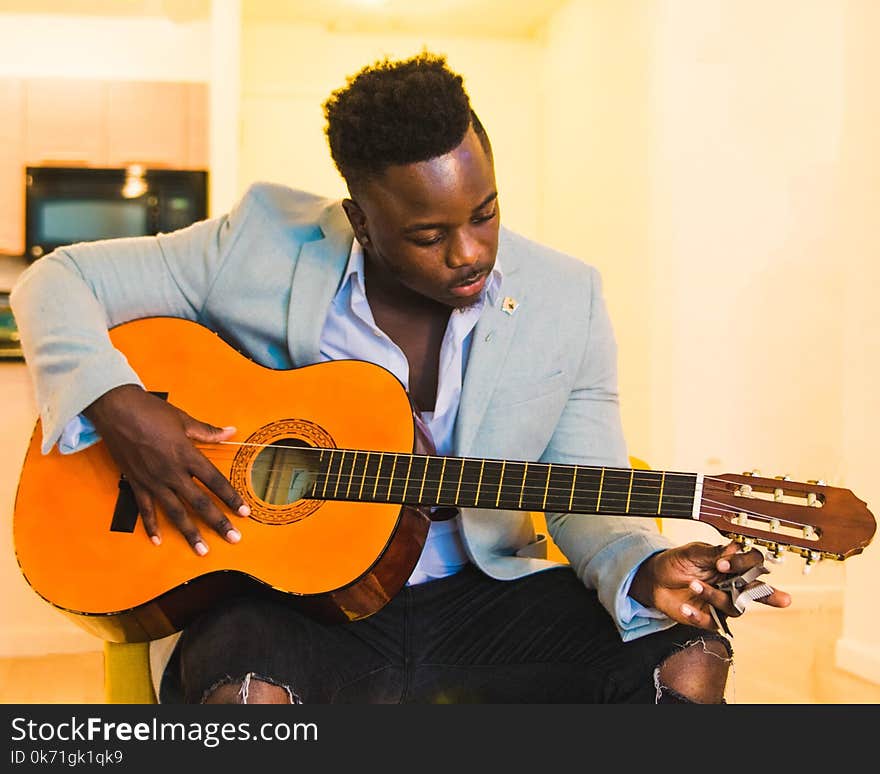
464,250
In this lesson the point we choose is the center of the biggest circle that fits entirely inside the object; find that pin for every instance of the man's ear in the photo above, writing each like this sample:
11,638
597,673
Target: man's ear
357,219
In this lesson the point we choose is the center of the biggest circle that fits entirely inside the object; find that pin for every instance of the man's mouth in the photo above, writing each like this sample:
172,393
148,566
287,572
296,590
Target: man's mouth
471,286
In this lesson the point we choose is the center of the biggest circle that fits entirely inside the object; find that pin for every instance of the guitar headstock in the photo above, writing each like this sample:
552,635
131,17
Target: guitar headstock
810,518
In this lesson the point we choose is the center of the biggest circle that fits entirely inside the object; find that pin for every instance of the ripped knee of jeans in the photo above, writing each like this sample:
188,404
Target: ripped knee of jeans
253,688
695,674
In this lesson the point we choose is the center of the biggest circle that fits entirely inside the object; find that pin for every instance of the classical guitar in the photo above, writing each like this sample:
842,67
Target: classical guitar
328,458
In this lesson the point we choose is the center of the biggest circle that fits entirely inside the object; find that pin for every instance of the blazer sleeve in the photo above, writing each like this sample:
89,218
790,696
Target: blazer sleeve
65,303
603,550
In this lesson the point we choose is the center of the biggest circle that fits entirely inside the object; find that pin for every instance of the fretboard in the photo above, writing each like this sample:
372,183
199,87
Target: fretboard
413,479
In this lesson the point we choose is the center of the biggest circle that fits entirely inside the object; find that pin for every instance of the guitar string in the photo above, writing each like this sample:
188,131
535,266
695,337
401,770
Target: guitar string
310,450
708,507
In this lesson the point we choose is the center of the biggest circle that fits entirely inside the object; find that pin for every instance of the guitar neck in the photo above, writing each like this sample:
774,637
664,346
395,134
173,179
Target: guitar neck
413,479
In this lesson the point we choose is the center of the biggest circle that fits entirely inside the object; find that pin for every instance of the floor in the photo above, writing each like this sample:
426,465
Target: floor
782,657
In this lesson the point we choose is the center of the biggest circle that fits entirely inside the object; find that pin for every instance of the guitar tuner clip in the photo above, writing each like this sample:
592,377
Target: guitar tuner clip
740,589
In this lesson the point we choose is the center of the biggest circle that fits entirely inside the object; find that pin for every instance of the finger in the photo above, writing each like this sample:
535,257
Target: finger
176,513
735,561
206,472
695,617
206,508
776,599
148,513
708,594
202,431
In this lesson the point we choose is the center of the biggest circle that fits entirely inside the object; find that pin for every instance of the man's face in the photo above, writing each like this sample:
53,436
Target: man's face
432,226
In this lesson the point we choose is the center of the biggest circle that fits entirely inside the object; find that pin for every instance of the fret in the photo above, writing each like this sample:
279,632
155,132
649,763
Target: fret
364,477
535,484
479,482
378,469
433,480
470,481
386,476
629,491
587,483
351,473
458,488
333,459
560,488
321,472
510,485
415,475
678,495
574,478
522,487
646,493
490,480
370,477
662,485
396,483
615,491
339,474
500,483
440,483
546,488
447,491
406,479
422,486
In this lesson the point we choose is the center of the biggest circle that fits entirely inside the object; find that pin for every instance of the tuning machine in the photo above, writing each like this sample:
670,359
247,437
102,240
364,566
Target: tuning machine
810,558
779,492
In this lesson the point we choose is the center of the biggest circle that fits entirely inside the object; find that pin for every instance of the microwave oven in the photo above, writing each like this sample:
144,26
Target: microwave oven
64,205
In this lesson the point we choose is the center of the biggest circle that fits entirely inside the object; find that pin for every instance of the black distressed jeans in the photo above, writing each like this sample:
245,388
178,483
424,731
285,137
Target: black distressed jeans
466,638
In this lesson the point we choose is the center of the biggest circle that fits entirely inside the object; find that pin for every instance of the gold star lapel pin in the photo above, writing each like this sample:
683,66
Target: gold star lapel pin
509,305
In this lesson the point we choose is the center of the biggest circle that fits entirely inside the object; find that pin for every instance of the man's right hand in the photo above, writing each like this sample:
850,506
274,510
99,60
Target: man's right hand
152,443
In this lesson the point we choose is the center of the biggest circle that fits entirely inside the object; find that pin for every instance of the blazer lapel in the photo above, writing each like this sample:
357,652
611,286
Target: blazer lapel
315,281
492,338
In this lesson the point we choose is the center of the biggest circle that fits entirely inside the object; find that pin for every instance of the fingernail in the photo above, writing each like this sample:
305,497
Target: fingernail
233,536
201,548
696,586
228,427
687,610
245,510
723,565
156,540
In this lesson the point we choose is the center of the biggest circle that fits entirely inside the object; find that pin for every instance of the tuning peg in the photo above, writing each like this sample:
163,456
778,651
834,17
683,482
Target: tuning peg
777,555
753,472
816,481
812,558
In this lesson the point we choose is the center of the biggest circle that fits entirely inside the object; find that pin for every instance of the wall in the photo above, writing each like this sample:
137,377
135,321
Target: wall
856,254
737,140
288,70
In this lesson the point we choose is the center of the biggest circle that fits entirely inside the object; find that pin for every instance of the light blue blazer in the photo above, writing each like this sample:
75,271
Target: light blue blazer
540,384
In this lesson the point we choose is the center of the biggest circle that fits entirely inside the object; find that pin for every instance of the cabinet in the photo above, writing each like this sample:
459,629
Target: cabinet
95,123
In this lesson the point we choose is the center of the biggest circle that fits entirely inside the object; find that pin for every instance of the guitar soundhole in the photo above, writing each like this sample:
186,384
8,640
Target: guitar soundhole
281,474
276,467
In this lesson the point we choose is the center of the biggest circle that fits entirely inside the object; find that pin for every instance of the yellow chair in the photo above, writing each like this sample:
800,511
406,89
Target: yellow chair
127,673
127,665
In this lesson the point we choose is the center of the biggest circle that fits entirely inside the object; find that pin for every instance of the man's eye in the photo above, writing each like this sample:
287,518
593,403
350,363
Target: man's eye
428,241
483,218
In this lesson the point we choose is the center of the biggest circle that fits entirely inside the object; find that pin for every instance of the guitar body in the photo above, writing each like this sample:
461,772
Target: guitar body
84,550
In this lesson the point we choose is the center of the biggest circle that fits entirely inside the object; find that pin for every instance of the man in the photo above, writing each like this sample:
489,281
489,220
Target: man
506,351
